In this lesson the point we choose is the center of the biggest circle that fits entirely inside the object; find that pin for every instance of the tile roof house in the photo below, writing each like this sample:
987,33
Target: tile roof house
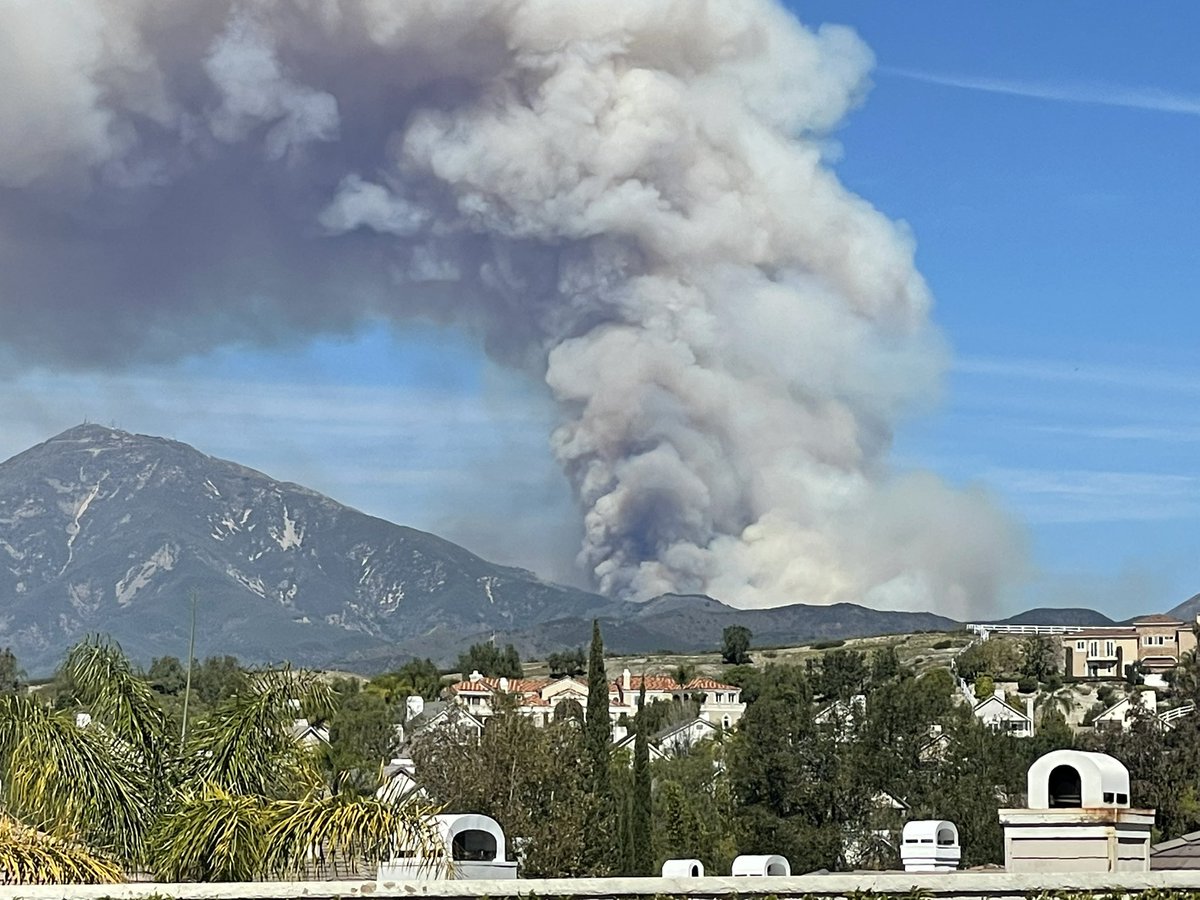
720,704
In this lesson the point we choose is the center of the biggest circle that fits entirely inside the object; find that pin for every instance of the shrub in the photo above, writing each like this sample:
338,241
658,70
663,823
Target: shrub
828,645
1027,685
946,644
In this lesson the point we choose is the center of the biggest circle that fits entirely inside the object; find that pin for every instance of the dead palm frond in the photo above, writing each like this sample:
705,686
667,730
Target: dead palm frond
334,831
28,856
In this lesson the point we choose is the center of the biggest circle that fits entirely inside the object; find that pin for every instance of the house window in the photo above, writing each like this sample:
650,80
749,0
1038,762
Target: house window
1111,648
1148,640
1095,649
1081,645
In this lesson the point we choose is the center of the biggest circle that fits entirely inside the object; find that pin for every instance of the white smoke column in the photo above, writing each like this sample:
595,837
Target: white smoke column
627,197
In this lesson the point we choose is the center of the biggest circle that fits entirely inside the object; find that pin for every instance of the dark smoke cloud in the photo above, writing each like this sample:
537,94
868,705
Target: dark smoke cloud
626,198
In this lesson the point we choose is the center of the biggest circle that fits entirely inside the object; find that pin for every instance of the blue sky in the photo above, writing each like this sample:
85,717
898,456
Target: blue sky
1042,154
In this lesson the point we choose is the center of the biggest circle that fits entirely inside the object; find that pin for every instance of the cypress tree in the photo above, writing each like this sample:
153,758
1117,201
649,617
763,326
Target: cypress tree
598,743
643,853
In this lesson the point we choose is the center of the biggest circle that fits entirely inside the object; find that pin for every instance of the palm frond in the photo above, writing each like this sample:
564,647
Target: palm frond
245,745
334,831
75,783
28,856
117,696
212,835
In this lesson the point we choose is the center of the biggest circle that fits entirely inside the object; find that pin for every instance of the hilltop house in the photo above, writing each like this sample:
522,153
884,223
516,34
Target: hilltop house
1155,641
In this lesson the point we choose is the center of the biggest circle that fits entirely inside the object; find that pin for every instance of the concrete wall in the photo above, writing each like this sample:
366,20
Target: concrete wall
945,886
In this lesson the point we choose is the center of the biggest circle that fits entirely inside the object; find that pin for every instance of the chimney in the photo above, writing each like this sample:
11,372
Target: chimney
476,676
414,705
503,683
625,680
1029,711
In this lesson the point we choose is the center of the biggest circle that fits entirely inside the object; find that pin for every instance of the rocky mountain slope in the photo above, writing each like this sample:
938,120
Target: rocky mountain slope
101,530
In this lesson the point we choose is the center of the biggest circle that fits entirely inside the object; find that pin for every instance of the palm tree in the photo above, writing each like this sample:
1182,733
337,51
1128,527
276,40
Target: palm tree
241,800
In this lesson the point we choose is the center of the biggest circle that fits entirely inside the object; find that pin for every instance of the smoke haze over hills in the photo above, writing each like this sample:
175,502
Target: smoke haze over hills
628,200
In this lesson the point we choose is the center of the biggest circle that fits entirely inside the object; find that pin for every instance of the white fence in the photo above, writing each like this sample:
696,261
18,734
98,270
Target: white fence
983,629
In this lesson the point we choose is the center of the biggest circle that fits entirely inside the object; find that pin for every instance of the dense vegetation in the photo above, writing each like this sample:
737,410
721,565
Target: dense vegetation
830,756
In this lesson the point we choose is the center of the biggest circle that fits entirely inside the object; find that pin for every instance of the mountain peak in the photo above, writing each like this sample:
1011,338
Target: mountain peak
104,530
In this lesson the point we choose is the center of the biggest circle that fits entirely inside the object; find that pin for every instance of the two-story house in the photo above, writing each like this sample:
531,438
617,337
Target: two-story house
1155,641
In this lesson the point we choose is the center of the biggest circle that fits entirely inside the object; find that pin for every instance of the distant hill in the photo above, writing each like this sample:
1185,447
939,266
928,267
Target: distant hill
1188,609
1055,616
694,623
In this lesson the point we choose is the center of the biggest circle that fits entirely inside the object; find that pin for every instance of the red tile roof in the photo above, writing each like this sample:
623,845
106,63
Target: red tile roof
701,683
492,685
663,683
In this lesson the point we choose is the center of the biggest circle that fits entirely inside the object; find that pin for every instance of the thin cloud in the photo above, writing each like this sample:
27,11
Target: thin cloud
1141,98
1081,496
1049,370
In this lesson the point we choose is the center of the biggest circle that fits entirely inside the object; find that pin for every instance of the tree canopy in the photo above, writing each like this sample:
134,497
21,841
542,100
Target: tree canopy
489,660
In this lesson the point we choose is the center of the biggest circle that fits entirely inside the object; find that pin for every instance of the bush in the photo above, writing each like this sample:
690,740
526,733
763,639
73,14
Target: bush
945,645
1053,683
985,686
828,645
1027,685
770,654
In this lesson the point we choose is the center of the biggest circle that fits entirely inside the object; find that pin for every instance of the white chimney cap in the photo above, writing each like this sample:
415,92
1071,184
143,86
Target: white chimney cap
771,864
930,845
503,683
1075,778
683,868
476,676
414,705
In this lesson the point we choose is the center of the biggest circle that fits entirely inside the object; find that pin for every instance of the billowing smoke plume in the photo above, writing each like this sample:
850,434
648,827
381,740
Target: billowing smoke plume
625,197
